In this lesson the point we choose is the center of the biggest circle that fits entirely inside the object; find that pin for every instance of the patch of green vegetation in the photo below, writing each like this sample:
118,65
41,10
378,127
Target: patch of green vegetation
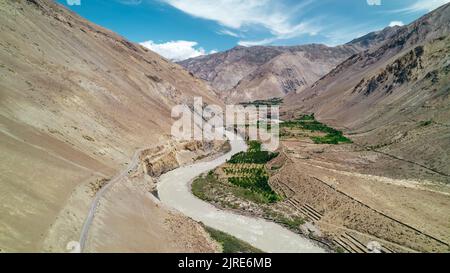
308,122
425,123
269,102
203,186
253,155
256,183
245,170
307,117
254,146
200,185
331,139
340,250
255,179
248,195
231,244
250,182
260,157
292,222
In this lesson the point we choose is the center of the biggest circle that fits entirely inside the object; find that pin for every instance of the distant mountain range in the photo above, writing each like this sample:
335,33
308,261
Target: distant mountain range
245,74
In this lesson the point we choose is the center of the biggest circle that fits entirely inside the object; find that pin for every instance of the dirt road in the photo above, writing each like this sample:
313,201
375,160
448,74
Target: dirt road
91,214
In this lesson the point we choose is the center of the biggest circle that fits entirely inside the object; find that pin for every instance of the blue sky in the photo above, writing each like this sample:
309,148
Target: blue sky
179,29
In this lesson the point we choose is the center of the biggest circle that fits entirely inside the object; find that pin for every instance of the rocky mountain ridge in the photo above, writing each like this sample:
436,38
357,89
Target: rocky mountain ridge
394,97
244,74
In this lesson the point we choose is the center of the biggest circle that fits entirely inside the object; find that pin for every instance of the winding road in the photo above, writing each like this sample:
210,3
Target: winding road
174,191
134,163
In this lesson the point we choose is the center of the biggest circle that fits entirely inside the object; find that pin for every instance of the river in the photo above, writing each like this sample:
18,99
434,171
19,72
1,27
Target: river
174,191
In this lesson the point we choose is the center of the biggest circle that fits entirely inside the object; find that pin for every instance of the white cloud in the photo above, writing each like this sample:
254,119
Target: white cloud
307,27
424,5
229,33
176,50
374,2
272,15
258,42
396,23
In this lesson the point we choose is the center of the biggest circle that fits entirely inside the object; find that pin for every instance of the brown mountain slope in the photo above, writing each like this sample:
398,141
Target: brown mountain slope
290,72
394,98
374,39
76,102
262,72
224,70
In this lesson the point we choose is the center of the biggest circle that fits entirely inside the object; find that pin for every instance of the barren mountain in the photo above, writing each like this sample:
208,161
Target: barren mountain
76,102
225,69
393,98
374,39
262,72
290,72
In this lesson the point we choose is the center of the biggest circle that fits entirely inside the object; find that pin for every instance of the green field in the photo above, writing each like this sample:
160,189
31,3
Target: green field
254,155
254,178
308,122
269,102
246,177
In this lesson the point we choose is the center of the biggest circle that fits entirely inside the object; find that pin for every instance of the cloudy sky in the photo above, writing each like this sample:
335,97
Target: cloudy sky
181,29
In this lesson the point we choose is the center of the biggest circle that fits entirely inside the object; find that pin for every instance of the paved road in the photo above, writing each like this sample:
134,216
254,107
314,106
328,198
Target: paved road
174,191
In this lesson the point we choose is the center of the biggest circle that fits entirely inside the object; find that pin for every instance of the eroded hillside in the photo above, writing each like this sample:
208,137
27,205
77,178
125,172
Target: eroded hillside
76,102
245,74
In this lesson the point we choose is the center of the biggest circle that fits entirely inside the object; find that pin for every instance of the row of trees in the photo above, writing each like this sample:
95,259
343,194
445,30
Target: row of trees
253,155
258,184
253,170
